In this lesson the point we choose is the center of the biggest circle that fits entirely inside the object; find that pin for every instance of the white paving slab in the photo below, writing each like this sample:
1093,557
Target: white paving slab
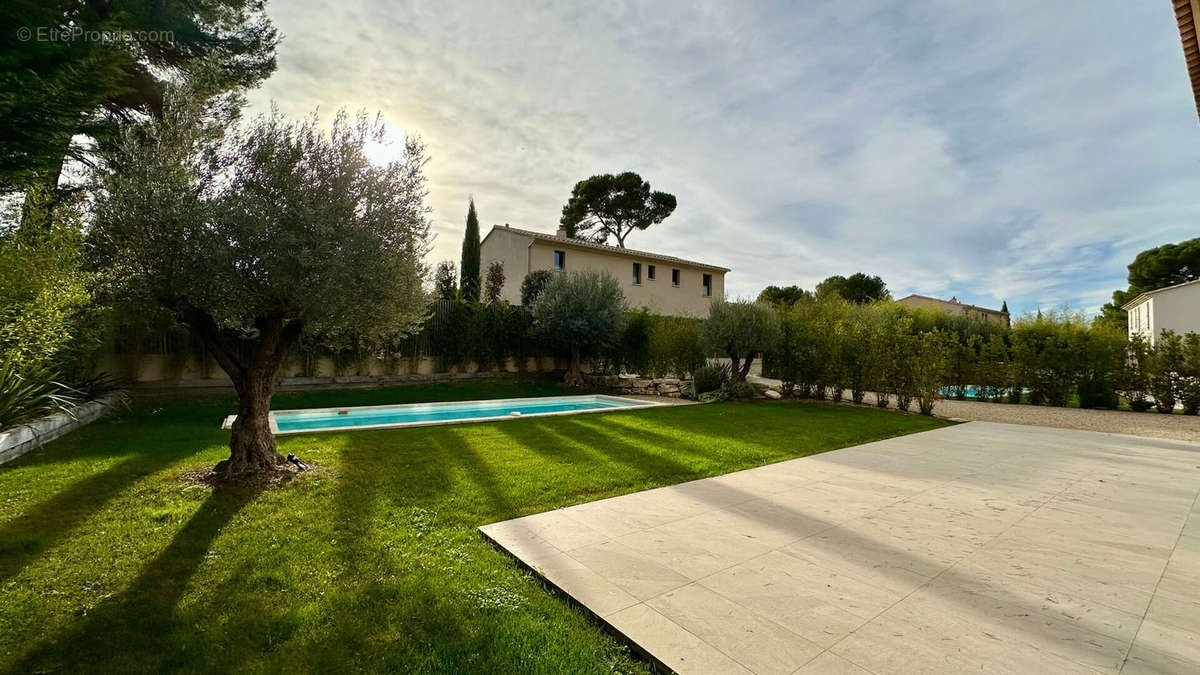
979,547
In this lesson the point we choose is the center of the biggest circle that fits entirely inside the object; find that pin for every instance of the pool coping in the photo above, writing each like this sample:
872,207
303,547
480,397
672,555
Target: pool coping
636,404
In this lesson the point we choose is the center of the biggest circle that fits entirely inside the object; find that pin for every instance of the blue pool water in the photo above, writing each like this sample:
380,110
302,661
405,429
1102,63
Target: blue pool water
972,392
415,414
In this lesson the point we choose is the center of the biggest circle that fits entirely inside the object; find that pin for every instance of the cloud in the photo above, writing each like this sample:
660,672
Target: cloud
1023,150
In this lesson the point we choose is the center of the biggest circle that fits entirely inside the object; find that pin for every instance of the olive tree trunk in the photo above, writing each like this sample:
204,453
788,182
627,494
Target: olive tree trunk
574,376
735,364
251,444
746,366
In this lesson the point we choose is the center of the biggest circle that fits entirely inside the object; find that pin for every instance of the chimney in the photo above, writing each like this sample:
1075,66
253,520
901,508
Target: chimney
562,232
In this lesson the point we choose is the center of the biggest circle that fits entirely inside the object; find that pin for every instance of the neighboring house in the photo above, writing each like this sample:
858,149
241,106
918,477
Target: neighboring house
661,283
1174,308
953,306
1187,13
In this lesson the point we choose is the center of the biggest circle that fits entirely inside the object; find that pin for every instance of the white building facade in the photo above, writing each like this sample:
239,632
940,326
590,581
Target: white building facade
1175,308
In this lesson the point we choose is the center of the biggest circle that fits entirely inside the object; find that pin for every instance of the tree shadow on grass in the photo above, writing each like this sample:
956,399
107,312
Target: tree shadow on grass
135,628
374,469
29,535
587,448
619,448
479,470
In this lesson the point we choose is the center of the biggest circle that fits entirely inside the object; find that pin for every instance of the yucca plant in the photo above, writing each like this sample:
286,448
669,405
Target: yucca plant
26,396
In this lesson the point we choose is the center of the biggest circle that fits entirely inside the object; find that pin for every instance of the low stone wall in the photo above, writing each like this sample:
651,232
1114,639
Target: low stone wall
336,381
27,437
169,370
663,386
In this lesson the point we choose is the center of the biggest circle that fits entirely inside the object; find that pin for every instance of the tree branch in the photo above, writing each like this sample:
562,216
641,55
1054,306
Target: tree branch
210,333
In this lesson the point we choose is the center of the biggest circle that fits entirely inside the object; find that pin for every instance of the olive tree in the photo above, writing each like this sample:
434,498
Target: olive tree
581,313
742,330
252,236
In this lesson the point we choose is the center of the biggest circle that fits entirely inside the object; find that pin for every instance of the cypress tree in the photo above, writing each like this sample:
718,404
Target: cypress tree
469,273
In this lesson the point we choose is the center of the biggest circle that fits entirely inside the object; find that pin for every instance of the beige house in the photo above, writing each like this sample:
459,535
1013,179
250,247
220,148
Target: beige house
953,306
1175,308
660,283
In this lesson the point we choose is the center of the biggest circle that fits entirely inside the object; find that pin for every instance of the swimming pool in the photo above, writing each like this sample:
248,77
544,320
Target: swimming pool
425,414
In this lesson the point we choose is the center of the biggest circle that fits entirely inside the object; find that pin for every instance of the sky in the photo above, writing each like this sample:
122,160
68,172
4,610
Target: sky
1022,151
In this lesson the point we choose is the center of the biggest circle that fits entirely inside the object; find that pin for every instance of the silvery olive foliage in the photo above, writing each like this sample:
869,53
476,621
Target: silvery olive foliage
742,330
580,313
267,218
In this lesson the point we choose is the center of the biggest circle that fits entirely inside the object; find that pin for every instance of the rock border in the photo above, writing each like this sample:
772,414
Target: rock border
624,385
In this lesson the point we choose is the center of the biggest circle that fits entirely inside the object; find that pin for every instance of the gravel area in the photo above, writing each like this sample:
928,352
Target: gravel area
1151,424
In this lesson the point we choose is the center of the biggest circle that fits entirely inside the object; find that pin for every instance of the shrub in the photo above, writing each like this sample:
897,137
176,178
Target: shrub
533,284
710,377
1100,366
1189,386
883,366
581,313
32,392
742,331
930,368
445,281
1166,364
675,347
855,337
48,321
630,352
780,362
738,390
1135,375
992,369
488,334
493,283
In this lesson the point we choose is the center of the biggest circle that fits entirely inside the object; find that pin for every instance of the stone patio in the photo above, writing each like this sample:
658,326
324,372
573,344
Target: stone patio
979,547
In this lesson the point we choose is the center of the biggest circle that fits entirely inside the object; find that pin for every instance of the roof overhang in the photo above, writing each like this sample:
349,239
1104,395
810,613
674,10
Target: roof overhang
1187,13
1142,296
605,249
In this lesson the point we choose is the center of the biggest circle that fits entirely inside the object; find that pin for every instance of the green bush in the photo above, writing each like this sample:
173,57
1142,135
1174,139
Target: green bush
738,390
29,392
1166,365
580,313
533,284
675,347
630,351
1135,374
48,321
933,357
1189,387
718,396
710,377
741,330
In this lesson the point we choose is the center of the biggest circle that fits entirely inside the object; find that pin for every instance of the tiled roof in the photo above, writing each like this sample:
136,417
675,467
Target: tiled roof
1187,13
615,250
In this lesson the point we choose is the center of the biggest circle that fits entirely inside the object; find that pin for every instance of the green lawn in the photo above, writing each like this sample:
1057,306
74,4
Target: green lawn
109,562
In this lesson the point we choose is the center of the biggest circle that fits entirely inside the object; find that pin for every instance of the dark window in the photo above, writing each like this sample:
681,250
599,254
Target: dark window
560,260
674,277
637,273
708,285
650,272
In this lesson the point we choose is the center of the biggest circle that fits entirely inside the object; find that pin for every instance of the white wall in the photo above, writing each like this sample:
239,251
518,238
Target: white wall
1176,309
